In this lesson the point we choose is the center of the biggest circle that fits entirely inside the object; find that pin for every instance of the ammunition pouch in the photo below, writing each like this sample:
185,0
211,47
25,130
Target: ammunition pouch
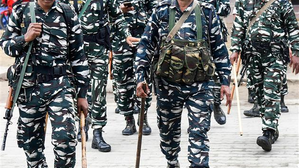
185,62
102,37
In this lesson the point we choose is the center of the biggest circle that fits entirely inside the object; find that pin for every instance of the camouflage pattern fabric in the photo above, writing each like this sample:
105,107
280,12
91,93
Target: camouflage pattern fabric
171,97
97,54
124,56
266,66
54,96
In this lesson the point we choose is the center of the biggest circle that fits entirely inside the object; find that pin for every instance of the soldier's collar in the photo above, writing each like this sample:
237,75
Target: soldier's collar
54,6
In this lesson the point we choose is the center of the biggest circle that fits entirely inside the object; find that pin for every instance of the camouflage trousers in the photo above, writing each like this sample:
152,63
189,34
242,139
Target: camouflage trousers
266,73
98,65
55,98
124,78
171,98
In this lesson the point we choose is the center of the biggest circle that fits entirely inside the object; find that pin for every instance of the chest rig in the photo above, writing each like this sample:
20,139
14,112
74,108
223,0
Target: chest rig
183,61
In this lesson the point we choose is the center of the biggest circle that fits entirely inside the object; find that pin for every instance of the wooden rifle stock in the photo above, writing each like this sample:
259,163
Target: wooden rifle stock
234,86
8,115
110,64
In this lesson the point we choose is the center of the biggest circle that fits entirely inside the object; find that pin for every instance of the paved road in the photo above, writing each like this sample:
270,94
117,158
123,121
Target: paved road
227,148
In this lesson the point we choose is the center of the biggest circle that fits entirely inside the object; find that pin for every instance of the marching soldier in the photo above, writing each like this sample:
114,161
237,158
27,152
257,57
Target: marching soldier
57,71
266,41
96,34
136,13
188,55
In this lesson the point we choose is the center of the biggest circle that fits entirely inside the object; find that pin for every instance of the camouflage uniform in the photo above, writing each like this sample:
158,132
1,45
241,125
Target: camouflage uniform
97,54
171,96
266,65
48,92
223,9
124,55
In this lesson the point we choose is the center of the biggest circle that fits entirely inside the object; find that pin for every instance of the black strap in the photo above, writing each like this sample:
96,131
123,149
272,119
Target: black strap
101,13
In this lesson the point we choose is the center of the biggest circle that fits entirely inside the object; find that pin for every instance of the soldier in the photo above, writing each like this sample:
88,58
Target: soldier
136,14
254,111
96,35
183,68
56,55
223,9
267,38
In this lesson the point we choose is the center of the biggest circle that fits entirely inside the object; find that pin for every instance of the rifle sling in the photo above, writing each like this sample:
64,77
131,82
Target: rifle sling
19,85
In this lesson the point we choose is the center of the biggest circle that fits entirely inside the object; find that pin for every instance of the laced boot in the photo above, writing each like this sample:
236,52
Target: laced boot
130,127
146,129
284,108
98,141
253,112
266,140
86,128
219,114
250,96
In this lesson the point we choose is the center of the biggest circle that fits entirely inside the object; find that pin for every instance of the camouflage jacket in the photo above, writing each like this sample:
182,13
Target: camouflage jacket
51,48
157,28
90,20
277,23
222,7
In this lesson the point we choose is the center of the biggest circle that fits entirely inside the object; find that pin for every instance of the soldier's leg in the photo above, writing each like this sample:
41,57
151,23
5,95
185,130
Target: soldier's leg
62,117
98,64
254,111
146,129
169,110
124,78
219,115
199,107
30,134
270,109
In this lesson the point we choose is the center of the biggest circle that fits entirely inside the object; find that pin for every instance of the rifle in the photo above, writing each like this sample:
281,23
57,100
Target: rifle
8,115
9,111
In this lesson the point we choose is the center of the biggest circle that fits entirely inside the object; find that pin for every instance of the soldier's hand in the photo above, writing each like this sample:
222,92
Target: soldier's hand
126,9
130,40
226,90
140,92
295,64
82,105
234,57
34,30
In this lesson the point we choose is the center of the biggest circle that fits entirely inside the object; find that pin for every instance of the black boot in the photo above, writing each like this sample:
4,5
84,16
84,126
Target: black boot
130,127
219,114
146,129
266,140
117,110
284,108
98,142
86,128
250,96
253,112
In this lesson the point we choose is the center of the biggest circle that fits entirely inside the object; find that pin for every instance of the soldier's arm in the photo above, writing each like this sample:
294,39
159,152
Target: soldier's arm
116,17
78,59
12,41
144,54
219,50
238,30
291,26
224,8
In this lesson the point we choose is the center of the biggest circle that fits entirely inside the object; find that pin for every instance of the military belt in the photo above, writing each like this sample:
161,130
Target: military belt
45,74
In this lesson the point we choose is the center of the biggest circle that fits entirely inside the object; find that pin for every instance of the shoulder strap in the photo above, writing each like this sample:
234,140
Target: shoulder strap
179,23
84,8
260,12
68,19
